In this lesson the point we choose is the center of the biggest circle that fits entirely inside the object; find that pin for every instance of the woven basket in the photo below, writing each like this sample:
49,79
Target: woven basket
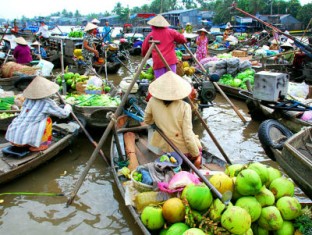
140,186
180,70
81,87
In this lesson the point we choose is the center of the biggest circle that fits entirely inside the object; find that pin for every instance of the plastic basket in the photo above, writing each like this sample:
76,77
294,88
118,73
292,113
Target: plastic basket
140,186
93,92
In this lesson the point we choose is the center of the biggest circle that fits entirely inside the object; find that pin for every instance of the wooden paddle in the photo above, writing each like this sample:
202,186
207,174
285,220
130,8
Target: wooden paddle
111,124
198,114
84,130
226,197
216,86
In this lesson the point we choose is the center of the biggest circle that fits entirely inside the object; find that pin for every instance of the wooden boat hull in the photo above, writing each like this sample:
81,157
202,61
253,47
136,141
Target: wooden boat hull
233,91
260,112
213,51
12,168
94,116
17,83
296,159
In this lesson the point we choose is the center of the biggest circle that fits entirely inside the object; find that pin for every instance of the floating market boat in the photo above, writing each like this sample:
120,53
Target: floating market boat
291,119
23,161
292,152
138,133
92,109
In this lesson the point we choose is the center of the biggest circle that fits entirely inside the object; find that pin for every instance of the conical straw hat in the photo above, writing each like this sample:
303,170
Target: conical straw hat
202,30
170,86
36,43
95,21
90,26
287,44
159,21
21,40
39,88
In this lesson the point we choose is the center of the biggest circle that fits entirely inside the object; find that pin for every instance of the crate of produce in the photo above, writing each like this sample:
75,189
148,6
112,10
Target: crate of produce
239,53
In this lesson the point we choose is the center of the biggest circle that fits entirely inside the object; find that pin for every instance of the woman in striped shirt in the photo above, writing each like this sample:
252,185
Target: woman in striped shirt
33,126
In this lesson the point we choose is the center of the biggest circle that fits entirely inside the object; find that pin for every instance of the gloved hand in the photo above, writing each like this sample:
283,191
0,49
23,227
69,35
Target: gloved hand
68,108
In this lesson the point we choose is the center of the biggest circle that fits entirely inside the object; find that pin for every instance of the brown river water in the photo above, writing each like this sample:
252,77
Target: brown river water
98,208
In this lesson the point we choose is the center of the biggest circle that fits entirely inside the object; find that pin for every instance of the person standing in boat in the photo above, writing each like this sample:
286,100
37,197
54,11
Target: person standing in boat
167,38
38,51
43,32
106,32
89,50
33,126
22,53
173,116
202,44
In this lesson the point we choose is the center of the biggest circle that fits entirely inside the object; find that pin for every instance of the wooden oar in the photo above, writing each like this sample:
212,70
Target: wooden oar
84,130
198,114
109,127
226,197
217,86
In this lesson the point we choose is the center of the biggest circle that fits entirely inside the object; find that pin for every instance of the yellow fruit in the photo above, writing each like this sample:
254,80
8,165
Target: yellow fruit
186,64
173,160
222,182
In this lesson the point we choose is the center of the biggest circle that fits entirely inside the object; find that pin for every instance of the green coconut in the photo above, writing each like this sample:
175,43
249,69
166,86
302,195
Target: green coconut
281,187
286,229
233,170
152,217
273,174
289,207
236,220
270,218
261,169
198,196
194,231
265,197
249,232
177,229
248,182
251,205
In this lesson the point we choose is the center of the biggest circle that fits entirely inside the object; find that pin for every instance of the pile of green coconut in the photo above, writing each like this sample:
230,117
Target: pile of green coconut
263,202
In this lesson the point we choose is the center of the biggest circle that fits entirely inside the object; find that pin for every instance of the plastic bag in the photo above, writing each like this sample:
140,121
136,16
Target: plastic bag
95,81
178,182
46,67
298,90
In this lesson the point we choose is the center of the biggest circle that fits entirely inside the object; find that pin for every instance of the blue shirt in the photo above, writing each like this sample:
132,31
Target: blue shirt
106,34
43,53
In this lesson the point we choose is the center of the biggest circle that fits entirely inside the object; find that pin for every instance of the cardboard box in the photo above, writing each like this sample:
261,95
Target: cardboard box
239,53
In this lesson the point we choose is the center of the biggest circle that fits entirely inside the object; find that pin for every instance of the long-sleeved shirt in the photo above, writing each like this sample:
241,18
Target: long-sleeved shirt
44,30
175,120
22,54
28,127
167,37
42,53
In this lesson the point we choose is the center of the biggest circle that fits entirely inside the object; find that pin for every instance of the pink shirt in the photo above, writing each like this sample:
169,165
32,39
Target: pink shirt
22,54
167,37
